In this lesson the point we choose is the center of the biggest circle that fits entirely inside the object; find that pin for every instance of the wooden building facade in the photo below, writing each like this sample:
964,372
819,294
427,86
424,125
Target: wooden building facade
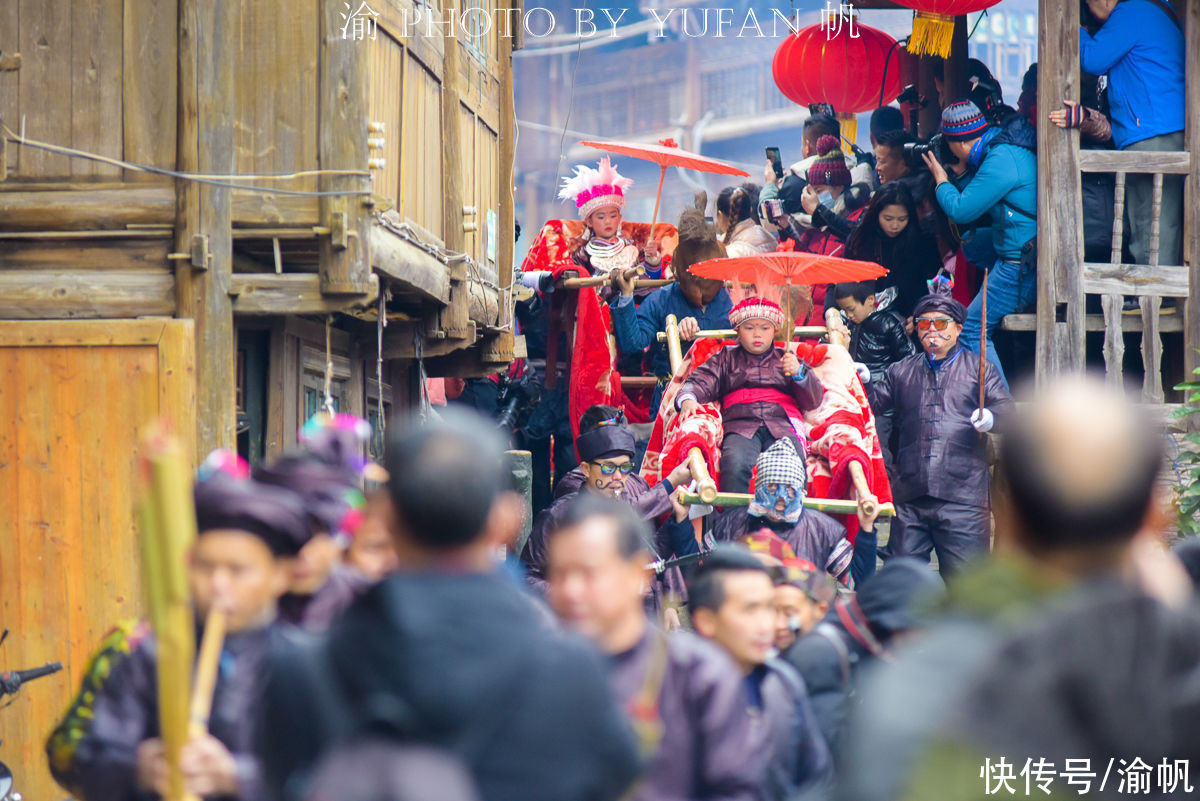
232,302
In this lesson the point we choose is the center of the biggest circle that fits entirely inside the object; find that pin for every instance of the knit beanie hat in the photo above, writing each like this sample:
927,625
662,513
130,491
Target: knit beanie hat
963,121
830,167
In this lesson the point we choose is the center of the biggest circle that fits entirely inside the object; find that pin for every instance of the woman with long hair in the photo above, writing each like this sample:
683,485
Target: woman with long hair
737,222
889,233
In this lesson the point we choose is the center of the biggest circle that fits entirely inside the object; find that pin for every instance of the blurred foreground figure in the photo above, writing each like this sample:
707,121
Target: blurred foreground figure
448,653
247,536
731,602
1051,659
684,696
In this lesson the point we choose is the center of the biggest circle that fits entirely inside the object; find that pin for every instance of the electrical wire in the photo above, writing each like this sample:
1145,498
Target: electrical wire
211,180
886,60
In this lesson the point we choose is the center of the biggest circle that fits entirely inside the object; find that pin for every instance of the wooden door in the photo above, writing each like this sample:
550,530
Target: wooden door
74,400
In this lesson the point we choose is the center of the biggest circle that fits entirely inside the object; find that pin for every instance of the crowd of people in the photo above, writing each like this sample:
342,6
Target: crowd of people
446,675
412,632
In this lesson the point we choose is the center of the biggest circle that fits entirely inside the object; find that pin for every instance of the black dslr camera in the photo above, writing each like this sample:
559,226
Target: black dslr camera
914,152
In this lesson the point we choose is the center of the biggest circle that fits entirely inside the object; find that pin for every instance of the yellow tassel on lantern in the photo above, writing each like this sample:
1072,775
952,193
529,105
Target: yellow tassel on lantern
849,125
932,34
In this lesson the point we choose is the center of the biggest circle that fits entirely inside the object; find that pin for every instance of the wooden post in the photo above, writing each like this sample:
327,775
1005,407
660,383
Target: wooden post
507,226
452,151
345,264
956,85
203,217
930,118
1060,300
1191,200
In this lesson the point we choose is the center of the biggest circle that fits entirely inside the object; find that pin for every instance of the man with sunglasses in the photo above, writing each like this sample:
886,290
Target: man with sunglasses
606,463
941,485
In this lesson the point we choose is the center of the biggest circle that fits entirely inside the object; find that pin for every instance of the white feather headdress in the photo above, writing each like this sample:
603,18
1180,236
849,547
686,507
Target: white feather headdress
593,189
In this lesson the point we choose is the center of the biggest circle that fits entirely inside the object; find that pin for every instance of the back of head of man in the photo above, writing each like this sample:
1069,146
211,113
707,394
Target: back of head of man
731,601
1079,466
447,488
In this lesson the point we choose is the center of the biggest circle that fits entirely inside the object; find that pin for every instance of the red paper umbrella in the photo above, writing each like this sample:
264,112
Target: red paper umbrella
786,268
667,154
933,23
815,65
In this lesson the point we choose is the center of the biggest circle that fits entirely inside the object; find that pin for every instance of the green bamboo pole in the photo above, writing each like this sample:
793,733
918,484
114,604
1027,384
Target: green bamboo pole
729,333
835,506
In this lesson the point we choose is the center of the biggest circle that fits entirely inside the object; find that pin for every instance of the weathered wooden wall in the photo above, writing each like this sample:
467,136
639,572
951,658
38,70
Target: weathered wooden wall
74,398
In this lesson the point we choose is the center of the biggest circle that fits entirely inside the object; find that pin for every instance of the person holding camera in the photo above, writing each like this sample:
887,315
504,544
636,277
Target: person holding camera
997,169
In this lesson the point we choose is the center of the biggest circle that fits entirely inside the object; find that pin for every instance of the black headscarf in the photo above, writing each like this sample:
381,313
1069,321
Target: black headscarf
941,303
273,514
605,442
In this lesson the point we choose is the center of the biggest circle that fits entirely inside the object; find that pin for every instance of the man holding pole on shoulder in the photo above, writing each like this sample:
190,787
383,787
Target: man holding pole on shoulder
248,534
944,405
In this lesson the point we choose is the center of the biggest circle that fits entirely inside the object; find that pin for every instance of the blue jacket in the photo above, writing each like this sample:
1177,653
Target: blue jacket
635,328
1005,185
1142,51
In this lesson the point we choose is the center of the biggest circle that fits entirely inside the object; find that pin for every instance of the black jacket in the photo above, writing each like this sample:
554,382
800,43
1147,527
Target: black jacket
879,342
941,454
462,662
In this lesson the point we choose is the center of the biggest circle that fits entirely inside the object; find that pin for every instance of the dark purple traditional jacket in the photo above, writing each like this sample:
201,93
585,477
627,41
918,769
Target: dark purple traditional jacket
708,750
813,537
941,455
126,714
317,612
733,368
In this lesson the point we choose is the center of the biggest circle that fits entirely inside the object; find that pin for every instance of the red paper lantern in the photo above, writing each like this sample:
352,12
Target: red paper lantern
815,66
933,24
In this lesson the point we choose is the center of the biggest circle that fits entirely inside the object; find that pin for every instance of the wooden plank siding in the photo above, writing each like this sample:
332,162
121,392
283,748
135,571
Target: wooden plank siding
72,412
421,170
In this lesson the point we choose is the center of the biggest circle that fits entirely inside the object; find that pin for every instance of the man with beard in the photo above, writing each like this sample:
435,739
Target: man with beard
942,485
606,464
778,506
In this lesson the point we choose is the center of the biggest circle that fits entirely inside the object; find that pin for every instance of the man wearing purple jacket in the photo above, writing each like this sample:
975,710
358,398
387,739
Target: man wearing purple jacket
684,696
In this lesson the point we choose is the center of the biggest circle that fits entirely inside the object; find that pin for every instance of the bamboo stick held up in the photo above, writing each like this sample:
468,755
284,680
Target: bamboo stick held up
168,529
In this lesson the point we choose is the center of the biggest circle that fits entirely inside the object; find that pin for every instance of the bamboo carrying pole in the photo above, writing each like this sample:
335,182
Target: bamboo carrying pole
206,672
604,280
705,484
863,488
729,333
168,530
829,505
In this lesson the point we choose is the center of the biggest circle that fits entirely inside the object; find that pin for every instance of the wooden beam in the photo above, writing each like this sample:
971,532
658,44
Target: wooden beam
293,293
1129,323
408,265
205,144
86,209
265,208
1191,200
1060,207
1134,279
128,255
1143,161
42,295
398,343
342,144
